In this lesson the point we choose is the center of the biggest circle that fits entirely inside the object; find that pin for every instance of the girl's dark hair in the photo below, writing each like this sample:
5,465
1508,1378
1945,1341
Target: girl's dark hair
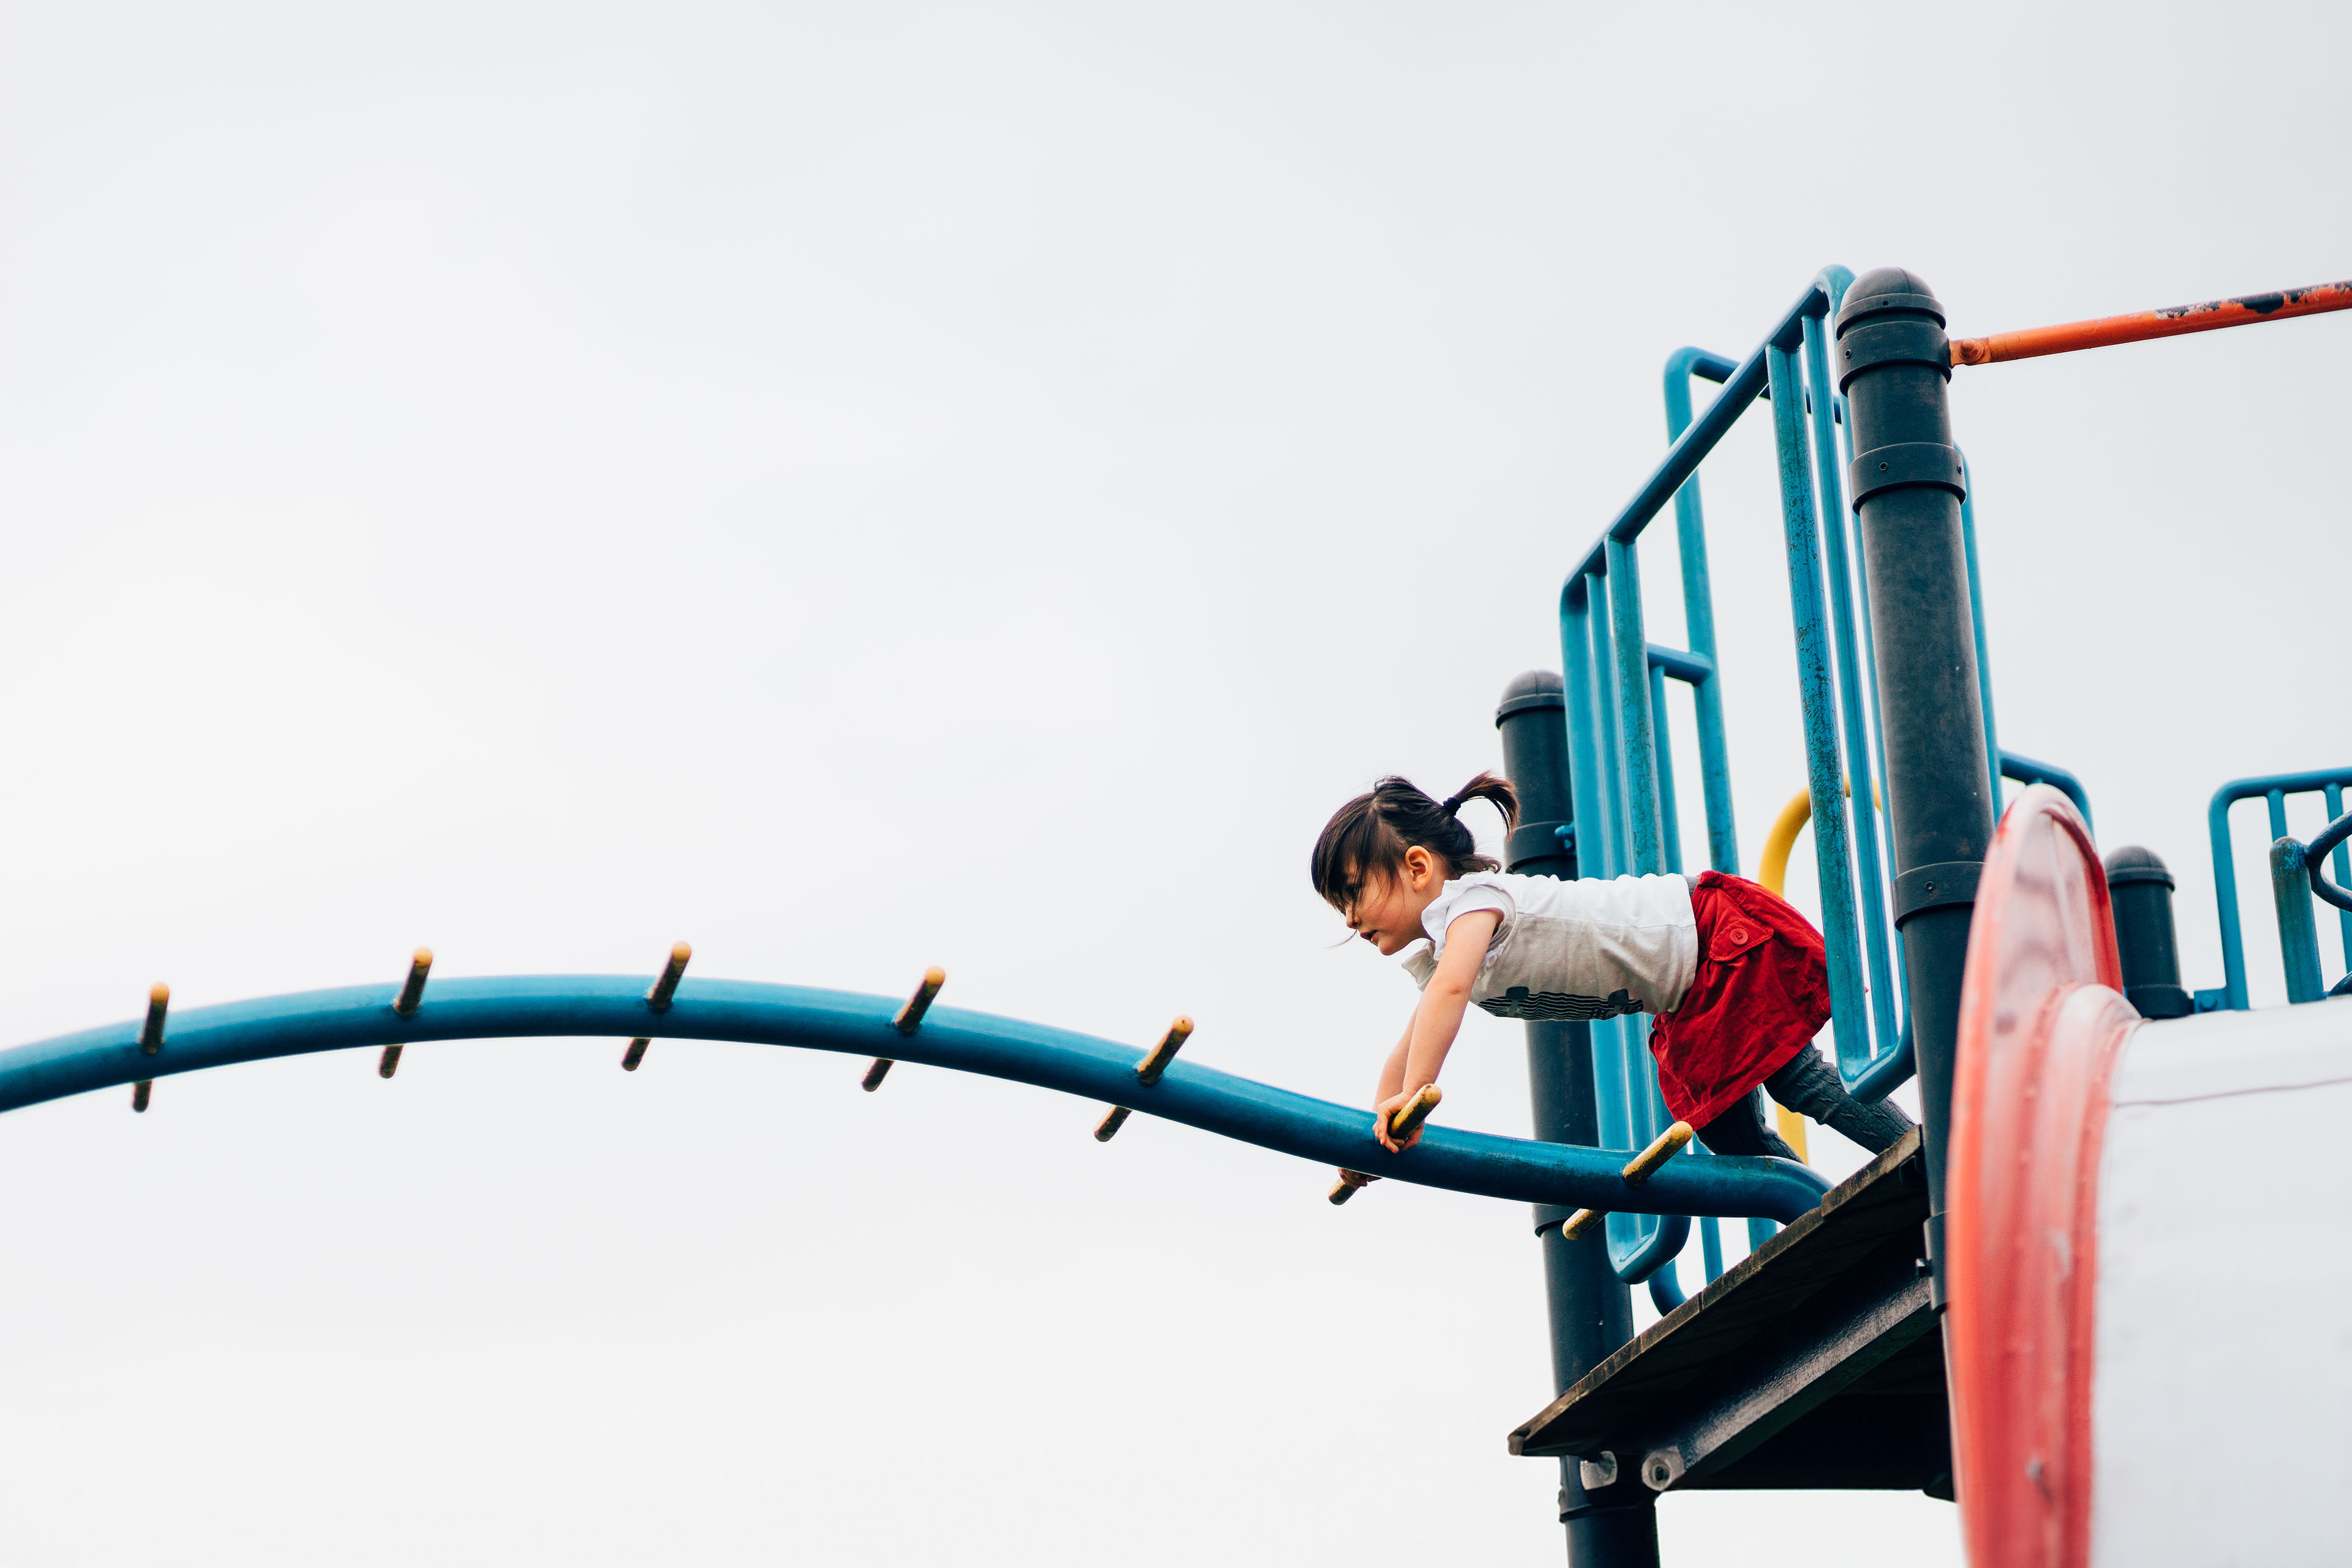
1370,834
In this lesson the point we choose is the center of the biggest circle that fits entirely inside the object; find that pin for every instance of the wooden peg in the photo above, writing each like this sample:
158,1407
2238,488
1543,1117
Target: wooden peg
150,1033
412,990
1351,1183
1665,1147
911,1017
665,988
1150,1069
141,1092
1110,1124
411,997
908,1019
1406,1119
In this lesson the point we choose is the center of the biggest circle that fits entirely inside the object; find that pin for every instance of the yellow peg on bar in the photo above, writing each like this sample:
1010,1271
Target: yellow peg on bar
658,999
1668,1144
1403,1122
910,1018
411,997
665,987
1155,1062
1637,1170
412,991
150,1033
1150,1069
1406,1119
140,1092
1351,1183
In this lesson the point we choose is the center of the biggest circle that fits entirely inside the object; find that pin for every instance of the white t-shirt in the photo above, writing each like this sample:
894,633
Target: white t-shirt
1593,948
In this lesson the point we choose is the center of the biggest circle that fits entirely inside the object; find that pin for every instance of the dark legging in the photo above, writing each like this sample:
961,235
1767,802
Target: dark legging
1810,1087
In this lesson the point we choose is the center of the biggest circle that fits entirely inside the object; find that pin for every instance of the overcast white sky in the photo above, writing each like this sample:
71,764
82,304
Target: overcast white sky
864,487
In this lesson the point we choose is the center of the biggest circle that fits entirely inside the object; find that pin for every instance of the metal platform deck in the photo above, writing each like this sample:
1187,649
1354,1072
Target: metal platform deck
1814,1362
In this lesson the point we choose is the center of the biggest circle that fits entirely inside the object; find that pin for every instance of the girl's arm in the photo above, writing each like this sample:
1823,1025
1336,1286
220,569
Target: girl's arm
1437,1020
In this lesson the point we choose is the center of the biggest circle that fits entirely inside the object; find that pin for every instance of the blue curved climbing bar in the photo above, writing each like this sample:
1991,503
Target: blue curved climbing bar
613,1006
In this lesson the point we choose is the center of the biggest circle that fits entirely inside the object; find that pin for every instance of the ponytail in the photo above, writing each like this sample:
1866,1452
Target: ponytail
1370,834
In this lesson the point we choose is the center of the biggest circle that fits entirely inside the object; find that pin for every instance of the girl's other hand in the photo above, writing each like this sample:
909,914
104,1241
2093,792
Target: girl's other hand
1380,1115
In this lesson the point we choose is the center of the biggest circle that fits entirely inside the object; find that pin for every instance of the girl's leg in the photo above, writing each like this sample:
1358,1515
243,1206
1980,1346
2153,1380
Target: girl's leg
1810,1087
1741,1130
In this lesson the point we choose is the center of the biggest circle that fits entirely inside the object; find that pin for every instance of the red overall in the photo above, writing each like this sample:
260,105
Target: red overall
1760,995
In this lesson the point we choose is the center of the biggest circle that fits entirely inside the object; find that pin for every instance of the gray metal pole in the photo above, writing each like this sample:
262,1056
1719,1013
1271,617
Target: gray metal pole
1893,364
1613,1525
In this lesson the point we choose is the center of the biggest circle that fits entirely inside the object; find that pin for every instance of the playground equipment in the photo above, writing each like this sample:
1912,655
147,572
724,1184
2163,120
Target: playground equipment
1815,1361
2034,993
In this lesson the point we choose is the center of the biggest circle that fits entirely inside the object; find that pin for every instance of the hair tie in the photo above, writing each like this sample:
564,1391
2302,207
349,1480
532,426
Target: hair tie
1453,803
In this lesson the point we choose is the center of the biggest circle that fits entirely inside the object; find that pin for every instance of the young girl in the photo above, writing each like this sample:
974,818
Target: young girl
1738,980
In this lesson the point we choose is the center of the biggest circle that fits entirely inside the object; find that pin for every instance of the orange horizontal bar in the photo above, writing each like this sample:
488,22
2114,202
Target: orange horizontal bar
2242,311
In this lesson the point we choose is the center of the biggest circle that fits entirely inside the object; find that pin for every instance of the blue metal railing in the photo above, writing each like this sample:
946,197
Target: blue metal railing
1613,678
2327,783
1622,763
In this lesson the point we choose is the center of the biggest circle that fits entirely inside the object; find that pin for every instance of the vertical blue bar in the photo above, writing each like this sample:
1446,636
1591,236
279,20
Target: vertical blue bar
1602,594
1577,615
1850,524
1825,776
1860,790
1638,1244
1669,809
2335,797
1699,622
2277,800
1976,621
2225,903
1637,727
1710,1247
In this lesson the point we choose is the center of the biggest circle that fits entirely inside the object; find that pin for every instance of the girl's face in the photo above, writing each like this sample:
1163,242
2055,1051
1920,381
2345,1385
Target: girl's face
1386,910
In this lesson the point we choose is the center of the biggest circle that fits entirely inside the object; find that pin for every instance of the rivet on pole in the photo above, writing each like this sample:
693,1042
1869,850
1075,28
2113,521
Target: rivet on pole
140,1092
908,1019
411,997
665,988
150,1033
